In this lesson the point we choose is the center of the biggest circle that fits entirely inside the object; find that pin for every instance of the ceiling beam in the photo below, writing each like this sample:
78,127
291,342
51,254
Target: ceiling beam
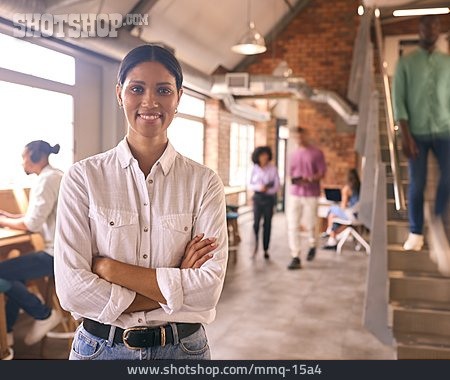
279,27
142,7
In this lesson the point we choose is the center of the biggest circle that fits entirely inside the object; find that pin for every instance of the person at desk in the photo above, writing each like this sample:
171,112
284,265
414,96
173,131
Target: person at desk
265,182
39,217
130,258
349,198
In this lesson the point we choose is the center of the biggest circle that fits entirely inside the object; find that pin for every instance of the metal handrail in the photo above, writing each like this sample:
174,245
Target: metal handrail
399,194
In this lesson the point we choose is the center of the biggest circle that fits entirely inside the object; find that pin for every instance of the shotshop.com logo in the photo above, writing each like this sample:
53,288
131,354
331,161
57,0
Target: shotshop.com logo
74,25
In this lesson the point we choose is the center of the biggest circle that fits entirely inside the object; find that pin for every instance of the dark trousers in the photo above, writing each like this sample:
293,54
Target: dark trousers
418,179
263,206
18,271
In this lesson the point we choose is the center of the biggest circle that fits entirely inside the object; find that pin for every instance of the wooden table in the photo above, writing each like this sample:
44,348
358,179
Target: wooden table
10,237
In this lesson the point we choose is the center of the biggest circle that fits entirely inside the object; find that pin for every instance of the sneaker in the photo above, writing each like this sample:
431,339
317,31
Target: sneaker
266,255
413,243
10,339
41,327
331,243
311,254
295,264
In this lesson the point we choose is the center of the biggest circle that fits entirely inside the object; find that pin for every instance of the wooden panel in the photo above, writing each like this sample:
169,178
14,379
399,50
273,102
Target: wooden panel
14,200
3,340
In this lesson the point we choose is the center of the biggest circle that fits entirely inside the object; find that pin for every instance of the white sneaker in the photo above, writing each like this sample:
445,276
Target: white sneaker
10,339
41,327
413,243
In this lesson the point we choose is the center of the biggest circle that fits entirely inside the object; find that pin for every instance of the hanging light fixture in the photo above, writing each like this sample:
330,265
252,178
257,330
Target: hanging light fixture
252,42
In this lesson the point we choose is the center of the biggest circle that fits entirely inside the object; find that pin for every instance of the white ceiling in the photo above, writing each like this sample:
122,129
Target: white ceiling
200,31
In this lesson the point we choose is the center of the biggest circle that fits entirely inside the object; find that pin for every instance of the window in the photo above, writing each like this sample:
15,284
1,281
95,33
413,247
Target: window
242,144
28,58
186,133
187,137
190,105
33,114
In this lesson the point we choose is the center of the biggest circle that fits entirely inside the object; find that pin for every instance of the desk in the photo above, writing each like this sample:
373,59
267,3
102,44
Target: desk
10,237
23,241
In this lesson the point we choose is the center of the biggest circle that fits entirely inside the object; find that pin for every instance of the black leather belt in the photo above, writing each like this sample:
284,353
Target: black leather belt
141,337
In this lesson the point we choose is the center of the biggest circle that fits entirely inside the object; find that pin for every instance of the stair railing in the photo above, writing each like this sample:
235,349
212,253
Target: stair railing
399,194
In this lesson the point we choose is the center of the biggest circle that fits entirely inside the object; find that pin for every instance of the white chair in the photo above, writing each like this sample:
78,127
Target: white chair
350,231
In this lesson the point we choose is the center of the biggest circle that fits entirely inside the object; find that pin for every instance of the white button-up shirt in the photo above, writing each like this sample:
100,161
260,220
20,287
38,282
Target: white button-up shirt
108,208
41,211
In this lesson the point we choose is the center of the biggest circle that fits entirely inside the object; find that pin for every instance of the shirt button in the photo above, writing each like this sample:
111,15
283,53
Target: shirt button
145,256
140,320
145,204
111,223
145,229
185,228
150,181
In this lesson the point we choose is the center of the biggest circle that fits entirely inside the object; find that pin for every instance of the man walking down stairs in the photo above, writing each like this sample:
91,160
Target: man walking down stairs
420,288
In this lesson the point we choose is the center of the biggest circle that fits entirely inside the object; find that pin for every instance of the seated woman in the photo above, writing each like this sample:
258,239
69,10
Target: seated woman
346,211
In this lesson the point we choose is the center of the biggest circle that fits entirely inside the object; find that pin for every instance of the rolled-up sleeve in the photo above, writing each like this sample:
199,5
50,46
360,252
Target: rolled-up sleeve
199,289
79,290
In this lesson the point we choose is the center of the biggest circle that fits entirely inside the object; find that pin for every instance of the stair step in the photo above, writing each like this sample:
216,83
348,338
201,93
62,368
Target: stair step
393,213
397,231
421,351
424,325
407,288
404,175
410,262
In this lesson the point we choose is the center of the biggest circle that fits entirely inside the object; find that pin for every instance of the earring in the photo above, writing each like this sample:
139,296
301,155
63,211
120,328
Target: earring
176,111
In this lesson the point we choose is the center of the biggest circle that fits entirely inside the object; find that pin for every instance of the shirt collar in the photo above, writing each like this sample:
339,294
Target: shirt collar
166,160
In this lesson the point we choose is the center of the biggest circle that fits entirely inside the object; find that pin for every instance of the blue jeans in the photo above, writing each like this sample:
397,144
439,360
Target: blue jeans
18,271
418,178
86,346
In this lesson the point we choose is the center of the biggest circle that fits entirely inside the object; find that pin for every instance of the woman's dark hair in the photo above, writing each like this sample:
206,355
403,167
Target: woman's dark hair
40,148
260,150
150,53
353,180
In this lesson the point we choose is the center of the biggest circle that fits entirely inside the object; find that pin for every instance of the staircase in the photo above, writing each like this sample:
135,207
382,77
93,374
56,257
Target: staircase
419,295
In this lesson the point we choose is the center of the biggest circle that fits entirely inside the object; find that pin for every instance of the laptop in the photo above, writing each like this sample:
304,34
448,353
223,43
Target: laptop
333,195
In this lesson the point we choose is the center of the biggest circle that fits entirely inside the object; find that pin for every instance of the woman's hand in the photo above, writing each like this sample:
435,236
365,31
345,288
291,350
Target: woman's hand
103,267
198,252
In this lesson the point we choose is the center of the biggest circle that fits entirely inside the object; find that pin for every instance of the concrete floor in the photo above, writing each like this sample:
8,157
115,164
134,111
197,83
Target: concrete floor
268,312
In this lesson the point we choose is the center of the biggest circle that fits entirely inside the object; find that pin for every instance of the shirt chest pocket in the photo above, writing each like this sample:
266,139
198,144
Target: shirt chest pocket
176,232
116,233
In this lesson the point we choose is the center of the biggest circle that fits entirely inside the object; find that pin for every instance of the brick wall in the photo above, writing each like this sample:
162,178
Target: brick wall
318,46
217,137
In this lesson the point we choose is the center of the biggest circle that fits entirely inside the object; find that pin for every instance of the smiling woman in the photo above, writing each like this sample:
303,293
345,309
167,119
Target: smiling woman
141,248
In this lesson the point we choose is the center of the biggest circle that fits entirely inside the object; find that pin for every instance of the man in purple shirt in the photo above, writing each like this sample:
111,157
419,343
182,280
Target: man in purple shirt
307,167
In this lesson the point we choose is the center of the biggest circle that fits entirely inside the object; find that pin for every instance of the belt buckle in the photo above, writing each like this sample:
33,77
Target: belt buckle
125,334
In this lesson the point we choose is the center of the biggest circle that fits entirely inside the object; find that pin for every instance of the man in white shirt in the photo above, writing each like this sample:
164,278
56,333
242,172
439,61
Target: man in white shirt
40,217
